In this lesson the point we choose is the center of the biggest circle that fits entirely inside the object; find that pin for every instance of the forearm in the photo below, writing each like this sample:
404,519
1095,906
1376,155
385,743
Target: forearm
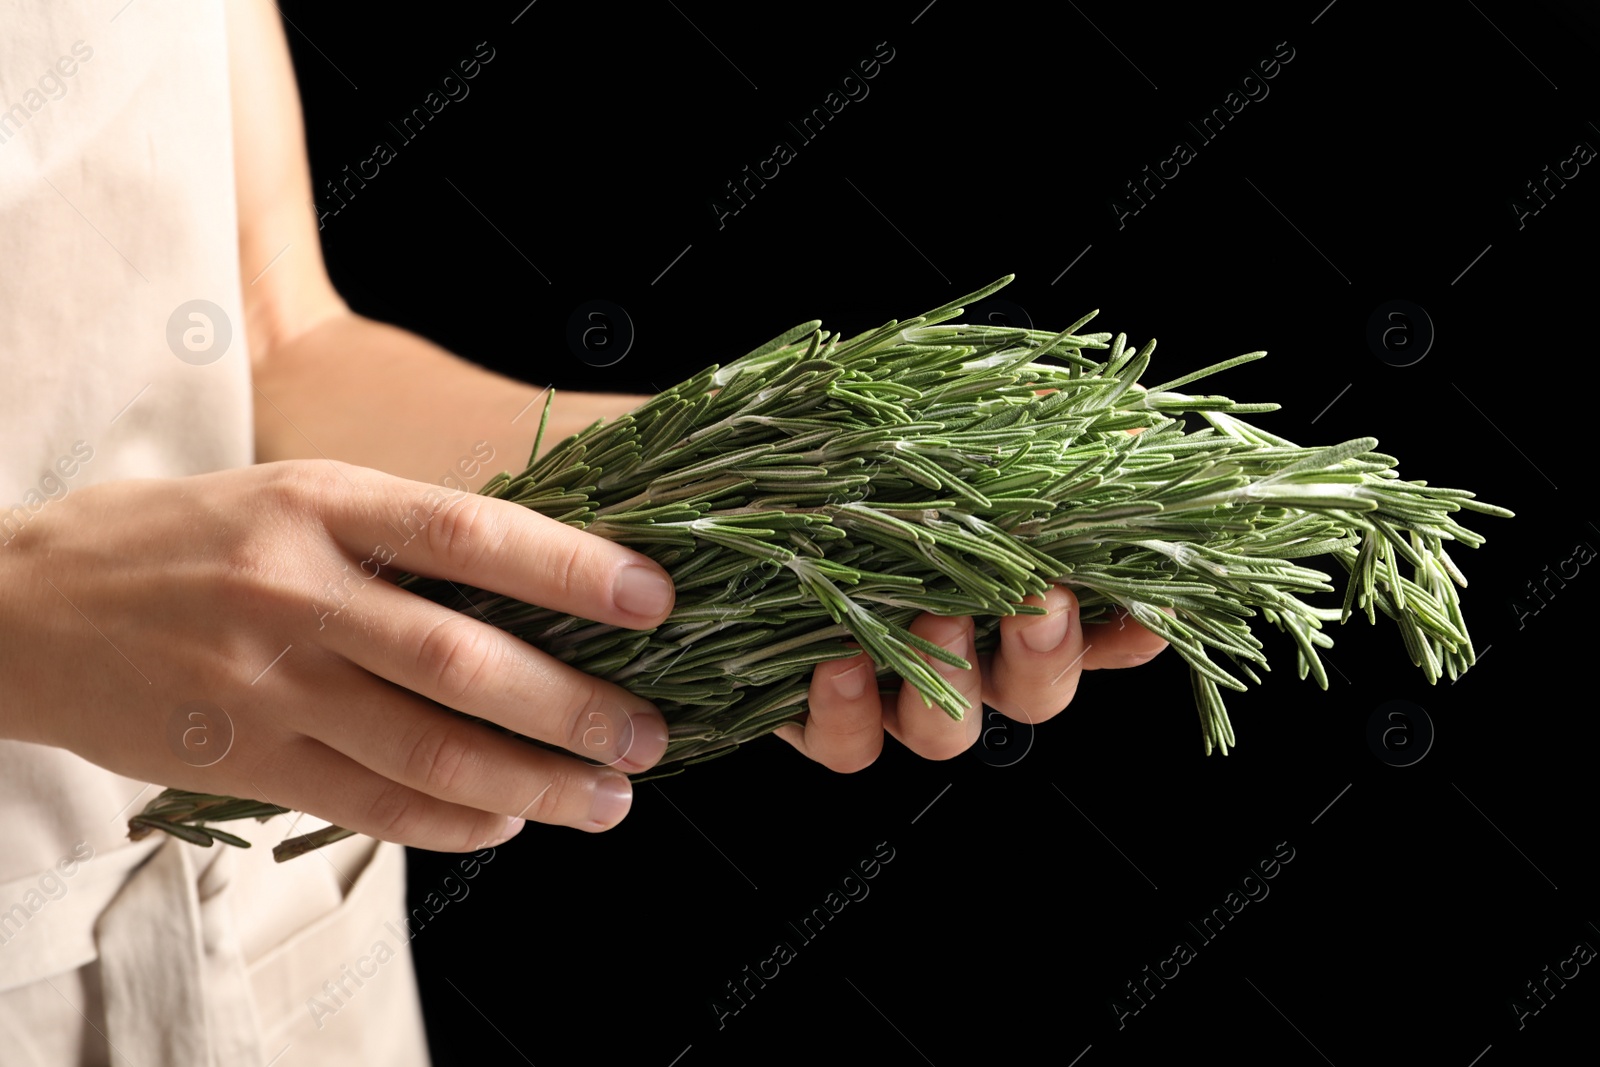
331,383
369,393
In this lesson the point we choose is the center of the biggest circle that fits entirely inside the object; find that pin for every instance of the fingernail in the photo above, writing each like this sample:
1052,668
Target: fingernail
959,647
613,796
1046,634
642,743
513,827
642,591
852,683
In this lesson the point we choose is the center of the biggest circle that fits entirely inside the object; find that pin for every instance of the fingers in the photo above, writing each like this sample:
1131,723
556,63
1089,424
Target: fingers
494,544
1035,670
1028,684
1032,676
444,757
309,776
396,760
466,664
844,729
1121,642
929,731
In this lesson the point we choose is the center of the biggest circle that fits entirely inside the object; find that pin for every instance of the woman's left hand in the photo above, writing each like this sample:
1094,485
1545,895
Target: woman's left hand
1032,676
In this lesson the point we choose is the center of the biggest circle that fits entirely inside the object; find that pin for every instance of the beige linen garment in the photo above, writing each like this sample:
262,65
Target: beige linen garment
116,208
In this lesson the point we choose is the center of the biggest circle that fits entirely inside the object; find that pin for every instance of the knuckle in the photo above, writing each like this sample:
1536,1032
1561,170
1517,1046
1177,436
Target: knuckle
1137,656
482,831
441,758
456,655
565,565
286,504
552,800
1040,709
245,560
857,749
457,530
596,725
1045,700
853,762
946,747
301,487
396,814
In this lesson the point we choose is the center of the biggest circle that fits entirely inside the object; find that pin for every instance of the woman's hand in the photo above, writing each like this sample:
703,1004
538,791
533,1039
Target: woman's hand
261,592
1031,677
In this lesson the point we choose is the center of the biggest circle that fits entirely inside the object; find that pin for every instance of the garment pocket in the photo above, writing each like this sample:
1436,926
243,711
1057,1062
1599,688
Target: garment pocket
343,986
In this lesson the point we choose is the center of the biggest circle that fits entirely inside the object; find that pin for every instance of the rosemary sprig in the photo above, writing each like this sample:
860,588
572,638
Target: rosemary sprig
824,490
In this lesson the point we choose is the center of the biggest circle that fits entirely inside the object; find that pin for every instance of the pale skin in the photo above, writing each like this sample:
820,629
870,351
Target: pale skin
356,421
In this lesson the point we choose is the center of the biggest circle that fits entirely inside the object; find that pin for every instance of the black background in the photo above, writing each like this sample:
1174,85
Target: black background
1382,165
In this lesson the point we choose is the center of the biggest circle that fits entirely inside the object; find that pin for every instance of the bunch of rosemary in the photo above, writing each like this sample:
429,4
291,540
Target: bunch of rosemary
824,490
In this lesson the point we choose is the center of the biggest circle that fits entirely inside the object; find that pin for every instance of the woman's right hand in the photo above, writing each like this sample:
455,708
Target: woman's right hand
257,591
